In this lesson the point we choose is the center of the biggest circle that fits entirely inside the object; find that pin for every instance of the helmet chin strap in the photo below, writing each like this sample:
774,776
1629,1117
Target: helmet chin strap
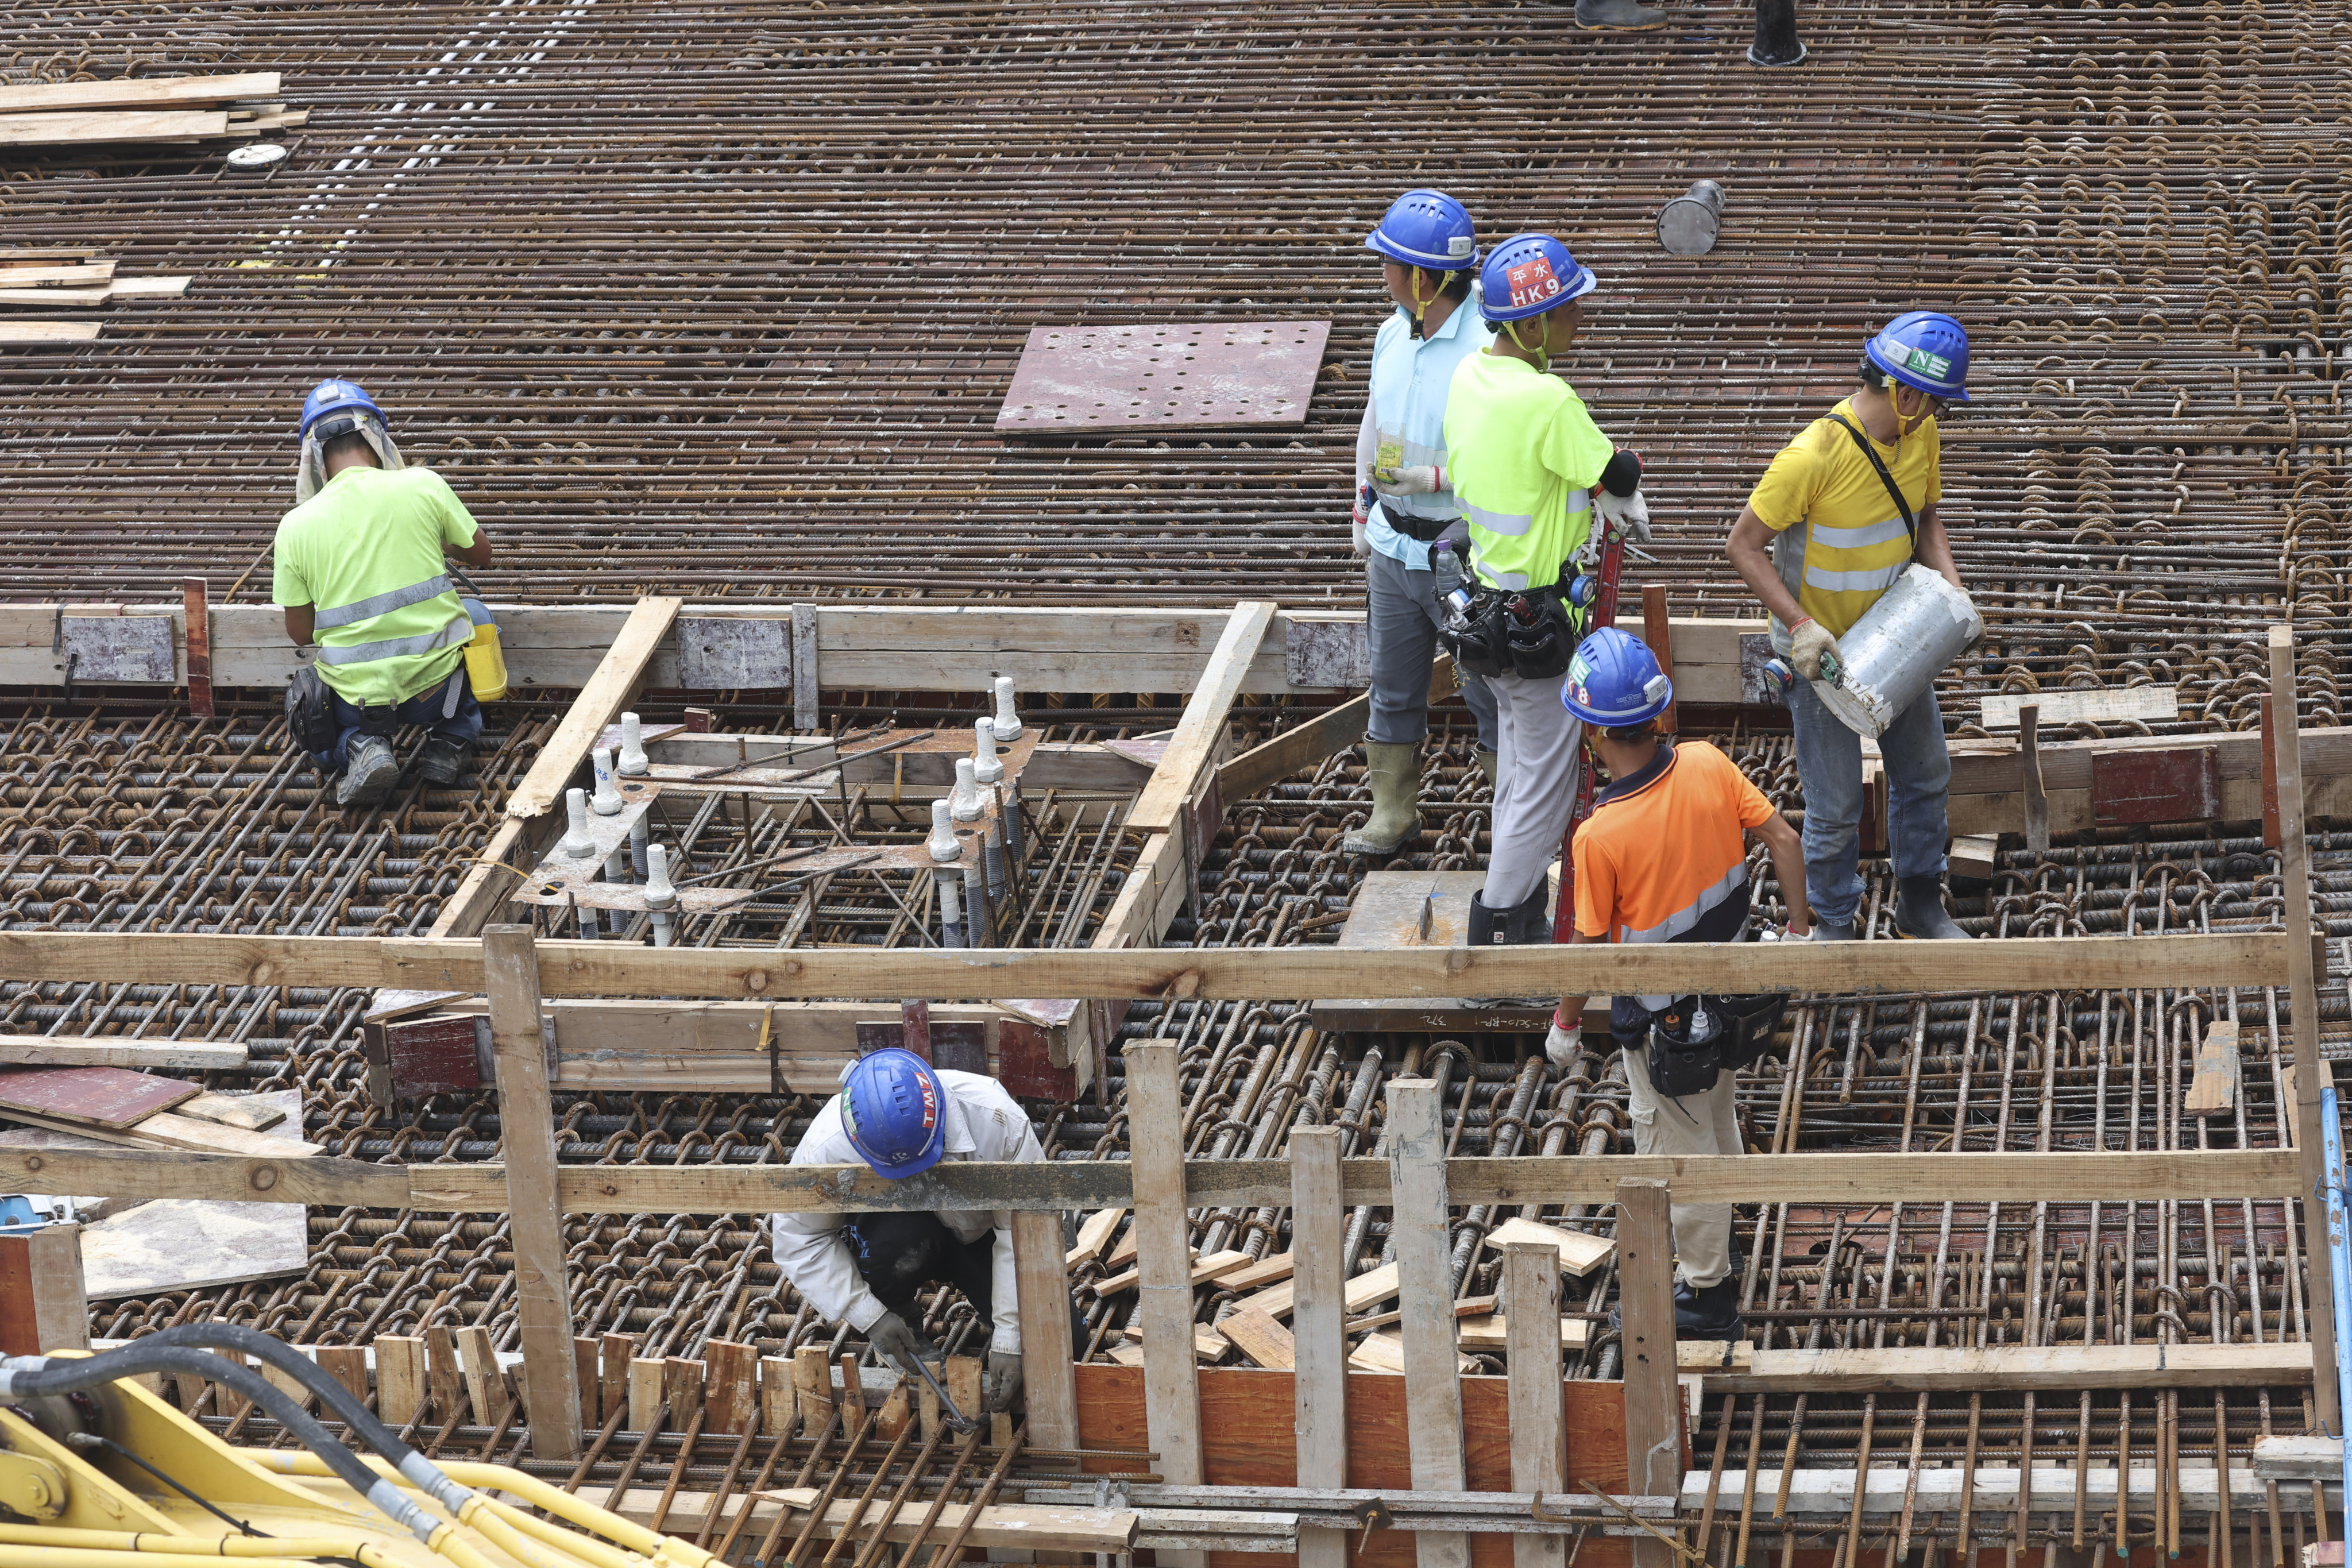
1542,354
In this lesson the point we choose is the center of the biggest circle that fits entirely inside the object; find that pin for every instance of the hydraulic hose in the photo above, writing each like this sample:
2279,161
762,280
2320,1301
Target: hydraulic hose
369,1553
33,1377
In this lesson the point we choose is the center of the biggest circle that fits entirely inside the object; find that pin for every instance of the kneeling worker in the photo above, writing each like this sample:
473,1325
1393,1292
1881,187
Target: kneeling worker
1664,858
899,1116
358,566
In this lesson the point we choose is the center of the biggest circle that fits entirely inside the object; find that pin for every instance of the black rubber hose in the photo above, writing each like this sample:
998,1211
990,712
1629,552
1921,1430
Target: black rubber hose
34,1376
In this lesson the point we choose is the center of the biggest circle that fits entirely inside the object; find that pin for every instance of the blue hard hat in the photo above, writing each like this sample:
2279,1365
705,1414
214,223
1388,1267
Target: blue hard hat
334,396
1927,350
1426,229
895,1109
1528,274
1615,681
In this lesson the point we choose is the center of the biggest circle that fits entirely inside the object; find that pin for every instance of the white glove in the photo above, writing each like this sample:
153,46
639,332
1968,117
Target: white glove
1418,481
1356,530
1809,643
1561,1046
1630,514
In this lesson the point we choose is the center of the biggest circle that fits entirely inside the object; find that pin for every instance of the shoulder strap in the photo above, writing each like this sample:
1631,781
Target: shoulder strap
1910,523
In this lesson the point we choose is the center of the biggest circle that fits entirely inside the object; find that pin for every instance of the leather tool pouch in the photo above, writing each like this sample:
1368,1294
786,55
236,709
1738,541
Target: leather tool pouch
1750,1035
310,714
1679,1068
1480,643
1541,652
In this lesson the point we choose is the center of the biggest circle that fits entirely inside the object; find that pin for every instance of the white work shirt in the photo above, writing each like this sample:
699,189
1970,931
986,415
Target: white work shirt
1406,414
984,1123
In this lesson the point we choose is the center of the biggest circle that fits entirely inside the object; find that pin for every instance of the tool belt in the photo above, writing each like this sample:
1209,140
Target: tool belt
1529,633
311,711
1683,1061
1420,529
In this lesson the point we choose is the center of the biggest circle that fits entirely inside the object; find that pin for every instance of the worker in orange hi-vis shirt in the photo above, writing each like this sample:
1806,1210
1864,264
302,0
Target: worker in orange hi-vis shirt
1663,857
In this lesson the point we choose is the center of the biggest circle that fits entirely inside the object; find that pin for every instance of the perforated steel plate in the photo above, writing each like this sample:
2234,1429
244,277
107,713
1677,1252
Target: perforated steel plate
1184,376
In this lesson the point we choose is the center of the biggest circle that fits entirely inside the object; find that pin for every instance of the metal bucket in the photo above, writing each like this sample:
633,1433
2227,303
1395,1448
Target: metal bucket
1898,648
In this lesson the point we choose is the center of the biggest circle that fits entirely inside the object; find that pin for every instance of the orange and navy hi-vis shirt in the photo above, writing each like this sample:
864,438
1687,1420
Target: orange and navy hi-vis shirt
1664,857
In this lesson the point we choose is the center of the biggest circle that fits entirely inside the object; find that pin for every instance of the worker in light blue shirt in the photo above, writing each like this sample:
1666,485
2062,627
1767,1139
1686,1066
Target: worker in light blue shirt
1403,507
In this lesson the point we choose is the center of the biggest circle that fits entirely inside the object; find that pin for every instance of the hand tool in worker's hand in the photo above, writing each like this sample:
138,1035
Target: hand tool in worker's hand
962,1424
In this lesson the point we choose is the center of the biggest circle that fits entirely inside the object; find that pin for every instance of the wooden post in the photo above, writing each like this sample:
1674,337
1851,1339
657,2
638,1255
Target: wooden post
1050,1380
2312,1073
442,1374
195,606
42,1308
776,1397
550,1382
1172,1389
1539,1414
644,1393
2029,752
1645,1294
1432,1357
613,1374
1319,1373
1658,632
485,1390
586,1365
2269,779
732,1395
813,1381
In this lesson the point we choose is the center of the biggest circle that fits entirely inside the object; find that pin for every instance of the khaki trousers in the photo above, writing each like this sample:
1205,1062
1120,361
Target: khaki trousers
1695,1125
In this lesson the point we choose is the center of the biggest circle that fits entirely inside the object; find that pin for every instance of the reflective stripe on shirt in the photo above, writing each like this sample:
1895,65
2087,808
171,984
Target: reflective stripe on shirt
457,631
1511,524
1866,581
1685,918
381,603
1885,532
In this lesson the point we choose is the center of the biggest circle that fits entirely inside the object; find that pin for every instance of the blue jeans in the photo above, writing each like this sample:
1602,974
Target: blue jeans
464,725
1828,766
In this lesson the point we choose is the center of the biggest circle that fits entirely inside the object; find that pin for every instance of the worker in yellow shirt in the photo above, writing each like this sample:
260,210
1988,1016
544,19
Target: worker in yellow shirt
358,568
1839,516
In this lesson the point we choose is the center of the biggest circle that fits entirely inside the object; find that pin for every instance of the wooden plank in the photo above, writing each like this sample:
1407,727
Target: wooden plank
776,1406
614,1352
93,126
1657,631
1974,855
1265,1271
2037,799
17,278
614,686
1305,745
686,1388
347,1364
103,1051
1029,1526
1538,1412
1093,1237
1214,1266
1155,1138
1420,1237
138,92
478,1361
732,1389
1046,1352
1363,1290
399,1379
2019,1368
167,1133
806,713
646,1393
2147,704
252,1112
196,621
443,1376
1203,728
2214,1092
1320,1349
1260,1337
2314,1076
1384,1352
527,1133
42,1308
2182,786
1578,1254
1492,1332
812,1382
1645,1292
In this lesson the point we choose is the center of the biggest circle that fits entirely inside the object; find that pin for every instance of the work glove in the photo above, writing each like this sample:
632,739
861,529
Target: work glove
1809,643
895,1342
1630,514
1363,520
1418,481
1561,1046
1003,1382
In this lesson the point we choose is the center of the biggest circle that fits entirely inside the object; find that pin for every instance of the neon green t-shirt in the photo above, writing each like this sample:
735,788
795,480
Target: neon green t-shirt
1522,455
367,553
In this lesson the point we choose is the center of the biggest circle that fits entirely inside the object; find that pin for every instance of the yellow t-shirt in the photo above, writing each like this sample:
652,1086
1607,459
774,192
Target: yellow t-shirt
1851,544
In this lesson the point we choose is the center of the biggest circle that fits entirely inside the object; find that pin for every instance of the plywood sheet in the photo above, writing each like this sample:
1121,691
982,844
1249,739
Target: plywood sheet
726,654
180,1244
117,647
1177,377
97,1097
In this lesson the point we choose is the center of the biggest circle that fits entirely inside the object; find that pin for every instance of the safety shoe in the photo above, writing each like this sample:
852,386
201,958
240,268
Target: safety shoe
443,761
1832,931
369,773
1618,16
1394,769
1919,911
1527,922
1708,1312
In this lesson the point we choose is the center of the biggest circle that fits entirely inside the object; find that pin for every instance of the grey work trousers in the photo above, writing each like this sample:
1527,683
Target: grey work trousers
1400,628
1540,748
1695,1125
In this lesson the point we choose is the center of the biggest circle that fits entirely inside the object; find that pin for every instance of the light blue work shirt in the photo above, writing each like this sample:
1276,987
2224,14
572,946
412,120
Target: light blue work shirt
1409,375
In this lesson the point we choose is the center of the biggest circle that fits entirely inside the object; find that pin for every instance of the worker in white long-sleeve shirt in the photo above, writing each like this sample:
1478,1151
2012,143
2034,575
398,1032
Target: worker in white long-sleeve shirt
899,1116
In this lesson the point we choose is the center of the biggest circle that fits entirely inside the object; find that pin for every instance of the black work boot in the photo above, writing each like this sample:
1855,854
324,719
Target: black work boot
1618,16
1486,925
1527,922
1708,1312
1919,911
443,761
1530,920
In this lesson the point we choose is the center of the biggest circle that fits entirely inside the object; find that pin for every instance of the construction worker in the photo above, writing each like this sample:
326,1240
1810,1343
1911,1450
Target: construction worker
1529,467
1664,858
899,1116
359,568
1402,505
1835,520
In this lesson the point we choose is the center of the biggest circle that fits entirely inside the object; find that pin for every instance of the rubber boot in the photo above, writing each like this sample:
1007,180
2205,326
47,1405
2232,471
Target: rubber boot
1711,1313
1832,931
1394,769
1485,924
1525,923
1919,911
1618,16
369,773
1488,763
443,761
1531,921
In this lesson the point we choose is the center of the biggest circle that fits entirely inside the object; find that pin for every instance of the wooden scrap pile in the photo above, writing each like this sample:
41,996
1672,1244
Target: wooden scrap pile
134,1109
184,109
53,278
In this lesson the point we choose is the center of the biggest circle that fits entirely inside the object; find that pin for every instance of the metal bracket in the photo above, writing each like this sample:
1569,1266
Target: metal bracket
31,1485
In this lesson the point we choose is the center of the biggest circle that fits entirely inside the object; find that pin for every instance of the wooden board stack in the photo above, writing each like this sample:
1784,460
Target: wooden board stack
141,1111
186,108
53,278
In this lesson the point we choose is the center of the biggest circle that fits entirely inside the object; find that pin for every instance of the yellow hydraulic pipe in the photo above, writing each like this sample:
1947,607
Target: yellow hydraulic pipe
15,1556
245,1548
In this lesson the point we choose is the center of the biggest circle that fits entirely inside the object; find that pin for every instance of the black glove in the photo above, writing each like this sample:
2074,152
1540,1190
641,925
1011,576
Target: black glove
1003,1385
895,1342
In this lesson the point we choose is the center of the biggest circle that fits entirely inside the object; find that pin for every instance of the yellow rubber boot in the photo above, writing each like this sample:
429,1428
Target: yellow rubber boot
1395,772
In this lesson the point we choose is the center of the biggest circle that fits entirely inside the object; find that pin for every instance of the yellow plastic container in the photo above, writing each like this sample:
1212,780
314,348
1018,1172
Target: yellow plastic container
486,661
